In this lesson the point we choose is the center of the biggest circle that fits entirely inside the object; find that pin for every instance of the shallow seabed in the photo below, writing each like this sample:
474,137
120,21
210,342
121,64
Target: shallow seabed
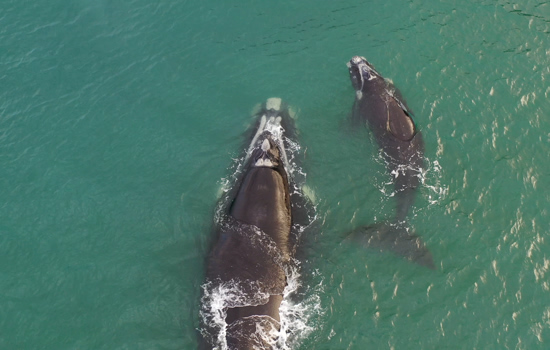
118,122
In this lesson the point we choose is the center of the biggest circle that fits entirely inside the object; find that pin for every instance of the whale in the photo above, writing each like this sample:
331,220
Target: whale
380,106
255,237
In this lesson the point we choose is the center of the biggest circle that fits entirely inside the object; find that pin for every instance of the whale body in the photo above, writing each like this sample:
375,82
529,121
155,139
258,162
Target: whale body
255,239
379,105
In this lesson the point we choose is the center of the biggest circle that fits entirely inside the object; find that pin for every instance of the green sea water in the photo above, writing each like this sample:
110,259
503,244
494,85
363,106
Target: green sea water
119,120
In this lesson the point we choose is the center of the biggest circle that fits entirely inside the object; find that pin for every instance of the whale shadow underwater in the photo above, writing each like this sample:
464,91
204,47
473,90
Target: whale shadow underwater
380,106
258,223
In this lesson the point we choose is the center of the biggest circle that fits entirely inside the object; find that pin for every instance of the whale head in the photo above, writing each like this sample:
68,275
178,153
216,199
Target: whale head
361,72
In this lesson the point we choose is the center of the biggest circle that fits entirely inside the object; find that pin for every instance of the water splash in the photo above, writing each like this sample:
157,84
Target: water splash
215,302
430,179
297,316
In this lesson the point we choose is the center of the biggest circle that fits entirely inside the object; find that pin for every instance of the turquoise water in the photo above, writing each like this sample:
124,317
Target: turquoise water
119,121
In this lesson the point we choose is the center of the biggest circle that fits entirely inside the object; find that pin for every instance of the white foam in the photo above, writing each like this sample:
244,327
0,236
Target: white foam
297,317
429,176
431,180
215,302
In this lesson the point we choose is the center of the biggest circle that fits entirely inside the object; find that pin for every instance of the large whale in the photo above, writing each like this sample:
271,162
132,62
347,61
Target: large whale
255,241
380,105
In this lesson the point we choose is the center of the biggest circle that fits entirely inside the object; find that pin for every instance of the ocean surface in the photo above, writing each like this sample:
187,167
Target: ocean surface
119,122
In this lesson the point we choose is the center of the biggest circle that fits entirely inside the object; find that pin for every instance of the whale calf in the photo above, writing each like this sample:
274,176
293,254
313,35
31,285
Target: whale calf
379,105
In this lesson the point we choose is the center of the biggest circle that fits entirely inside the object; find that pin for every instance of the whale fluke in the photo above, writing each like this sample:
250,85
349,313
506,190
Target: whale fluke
396,238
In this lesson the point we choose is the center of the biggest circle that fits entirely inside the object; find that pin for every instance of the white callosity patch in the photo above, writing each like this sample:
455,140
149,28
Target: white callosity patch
273,127
365,70
263,163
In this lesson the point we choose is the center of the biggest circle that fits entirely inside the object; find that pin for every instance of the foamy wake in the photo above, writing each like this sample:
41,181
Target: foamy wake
431,181
429,176
298,317
215,302
298,312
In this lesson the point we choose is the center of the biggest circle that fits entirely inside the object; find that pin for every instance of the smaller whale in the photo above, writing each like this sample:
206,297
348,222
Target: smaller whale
380,105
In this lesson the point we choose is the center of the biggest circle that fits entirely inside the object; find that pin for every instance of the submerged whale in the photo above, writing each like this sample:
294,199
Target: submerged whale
256,235
380,105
